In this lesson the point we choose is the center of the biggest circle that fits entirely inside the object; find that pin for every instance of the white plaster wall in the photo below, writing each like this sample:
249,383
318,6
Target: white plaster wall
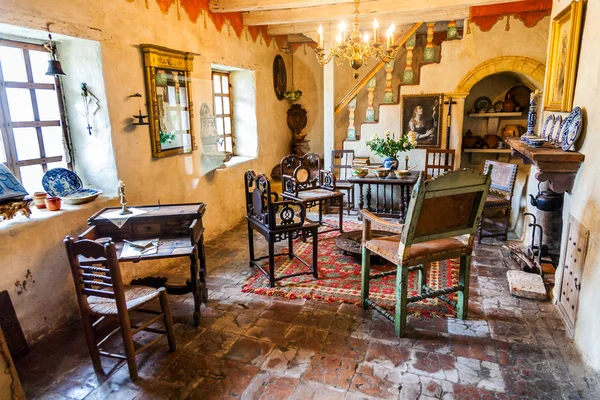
583,202
119,27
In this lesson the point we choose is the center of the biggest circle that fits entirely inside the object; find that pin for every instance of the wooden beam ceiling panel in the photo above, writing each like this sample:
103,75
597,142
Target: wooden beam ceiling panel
384,20
222,6
345,10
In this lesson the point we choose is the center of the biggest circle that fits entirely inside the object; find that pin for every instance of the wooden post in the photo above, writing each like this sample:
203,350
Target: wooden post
401,300
370,115
408,71
366,264
429,55
452,32
388,97
351,134
464,281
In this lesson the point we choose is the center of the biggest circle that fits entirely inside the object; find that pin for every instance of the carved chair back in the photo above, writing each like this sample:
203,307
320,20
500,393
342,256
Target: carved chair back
341,164
263,205
439,161
504,176
100,281
444,207
304,173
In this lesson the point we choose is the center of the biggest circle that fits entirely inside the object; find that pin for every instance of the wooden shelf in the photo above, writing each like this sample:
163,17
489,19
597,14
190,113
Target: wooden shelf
488,151
554,165
496,114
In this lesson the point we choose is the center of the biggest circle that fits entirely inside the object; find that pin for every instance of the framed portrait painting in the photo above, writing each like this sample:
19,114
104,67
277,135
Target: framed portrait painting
563,57
421,113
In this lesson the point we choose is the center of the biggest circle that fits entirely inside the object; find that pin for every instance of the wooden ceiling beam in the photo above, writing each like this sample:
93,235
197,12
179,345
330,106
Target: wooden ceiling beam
222,6
384,20
345,10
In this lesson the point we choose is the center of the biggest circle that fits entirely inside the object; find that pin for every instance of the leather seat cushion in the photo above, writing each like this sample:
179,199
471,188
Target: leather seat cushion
387,247
317,194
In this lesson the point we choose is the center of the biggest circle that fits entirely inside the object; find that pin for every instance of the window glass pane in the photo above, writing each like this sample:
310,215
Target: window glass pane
228,143
171,95
53,141
19,103
220,125
226,109
31,178
183,96
26,142
226,84
3,158
218,106
60,164
47,105
185,121
217,83
13,64
39,66
227,125
221,144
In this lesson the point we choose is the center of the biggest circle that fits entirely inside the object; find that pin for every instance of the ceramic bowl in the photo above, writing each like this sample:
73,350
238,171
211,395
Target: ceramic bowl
39,198
537,142
53,203
360,172
402,172
82,196
381,172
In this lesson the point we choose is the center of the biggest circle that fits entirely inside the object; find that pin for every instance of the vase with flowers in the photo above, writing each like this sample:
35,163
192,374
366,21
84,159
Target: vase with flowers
390,145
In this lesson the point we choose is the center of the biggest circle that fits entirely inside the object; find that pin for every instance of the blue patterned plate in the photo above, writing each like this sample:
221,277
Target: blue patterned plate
549,122
571,129
82,196
61,182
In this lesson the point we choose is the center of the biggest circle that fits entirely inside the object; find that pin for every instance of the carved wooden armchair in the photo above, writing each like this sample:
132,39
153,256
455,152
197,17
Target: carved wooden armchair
442,219
304,181
504,176
276,221
438,161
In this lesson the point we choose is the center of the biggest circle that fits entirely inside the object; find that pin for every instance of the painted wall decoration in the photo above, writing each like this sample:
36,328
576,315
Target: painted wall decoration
529,12
421,113
562,58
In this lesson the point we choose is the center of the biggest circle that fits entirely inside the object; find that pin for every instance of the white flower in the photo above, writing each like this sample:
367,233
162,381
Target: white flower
406,144
374,137
387,133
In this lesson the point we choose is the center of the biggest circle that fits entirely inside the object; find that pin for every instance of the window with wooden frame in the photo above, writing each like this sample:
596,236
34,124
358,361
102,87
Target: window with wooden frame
33,135
223,110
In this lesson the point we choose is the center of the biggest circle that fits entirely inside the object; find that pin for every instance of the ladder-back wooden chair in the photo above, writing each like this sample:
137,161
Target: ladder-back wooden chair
438,161
276,221
504,176
341,167
441,223
303,180
102,296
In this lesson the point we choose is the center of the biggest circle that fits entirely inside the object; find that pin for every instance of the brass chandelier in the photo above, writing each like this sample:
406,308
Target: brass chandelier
357,48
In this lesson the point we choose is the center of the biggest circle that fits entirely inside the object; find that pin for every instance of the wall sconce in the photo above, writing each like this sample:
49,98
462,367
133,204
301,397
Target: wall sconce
140,118
54,67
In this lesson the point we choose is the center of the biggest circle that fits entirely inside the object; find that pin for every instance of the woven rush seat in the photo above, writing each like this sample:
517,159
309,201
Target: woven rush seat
493,201
387,247
135,296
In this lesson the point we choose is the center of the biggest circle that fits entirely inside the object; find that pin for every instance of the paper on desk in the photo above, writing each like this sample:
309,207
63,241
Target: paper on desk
119,220
130,251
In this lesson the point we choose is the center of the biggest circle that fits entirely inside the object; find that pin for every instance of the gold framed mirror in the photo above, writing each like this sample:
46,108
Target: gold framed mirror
170,108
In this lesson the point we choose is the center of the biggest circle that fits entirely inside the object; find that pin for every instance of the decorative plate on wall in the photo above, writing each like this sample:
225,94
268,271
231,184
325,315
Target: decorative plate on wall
558,123
546,130
61,182
572,129
279,77
483,103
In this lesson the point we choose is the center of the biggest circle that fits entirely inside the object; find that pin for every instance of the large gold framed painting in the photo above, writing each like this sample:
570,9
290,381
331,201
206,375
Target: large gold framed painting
563,57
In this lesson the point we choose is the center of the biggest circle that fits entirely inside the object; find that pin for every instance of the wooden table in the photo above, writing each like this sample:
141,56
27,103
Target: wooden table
180,232
382,206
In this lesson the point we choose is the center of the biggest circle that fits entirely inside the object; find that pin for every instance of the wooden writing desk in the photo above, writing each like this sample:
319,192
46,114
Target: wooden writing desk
180,232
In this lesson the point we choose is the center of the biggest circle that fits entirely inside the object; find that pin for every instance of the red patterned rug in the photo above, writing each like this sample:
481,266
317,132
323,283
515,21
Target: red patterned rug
340,278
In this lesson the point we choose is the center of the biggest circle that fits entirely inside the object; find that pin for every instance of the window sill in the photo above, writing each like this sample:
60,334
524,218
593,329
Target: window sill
66,211
237,160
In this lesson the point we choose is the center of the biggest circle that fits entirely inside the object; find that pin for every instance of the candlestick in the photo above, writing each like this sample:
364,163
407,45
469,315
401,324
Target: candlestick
406,162
343,30
320,40
124,209
375,31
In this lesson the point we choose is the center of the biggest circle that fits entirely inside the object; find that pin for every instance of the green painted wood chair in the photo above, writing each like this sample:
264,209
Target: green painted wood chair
441,223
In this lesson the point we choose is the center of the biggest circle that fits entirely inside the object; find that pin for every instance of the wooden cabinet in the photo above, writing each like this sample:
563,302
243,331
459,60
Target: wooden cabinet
573,262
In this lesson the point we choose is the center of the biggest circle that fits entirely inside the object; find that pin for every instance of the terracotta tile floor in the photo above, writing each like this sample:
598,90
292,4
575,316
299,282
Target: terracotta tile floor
256,347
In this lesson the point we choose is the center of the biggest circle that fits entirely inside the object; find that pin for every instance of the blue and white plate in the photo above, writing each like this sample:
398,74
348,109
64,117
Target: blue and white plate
61,182
549,123
82,196
571,129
